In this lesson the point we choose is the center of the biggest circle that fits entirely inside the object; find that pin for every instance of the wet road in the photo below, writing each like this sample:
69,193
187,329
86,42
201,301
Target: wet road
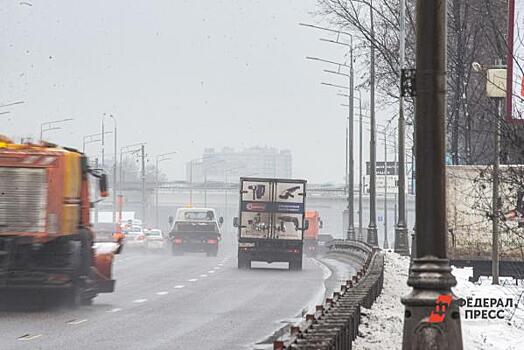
167,302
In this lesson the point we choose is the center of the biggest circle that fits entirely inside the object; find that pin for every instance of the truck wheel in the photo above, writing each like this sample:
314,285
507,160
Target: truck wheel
295,265
244,263
74,296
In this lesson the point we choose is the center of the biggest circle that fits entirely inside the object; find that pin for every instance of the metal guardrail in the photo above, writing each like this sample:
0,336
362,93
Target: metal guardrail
334,324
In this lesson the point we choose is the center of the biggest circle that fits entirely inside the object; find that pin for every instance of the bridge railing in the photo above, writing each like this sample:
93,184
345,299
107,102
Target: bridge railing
334,324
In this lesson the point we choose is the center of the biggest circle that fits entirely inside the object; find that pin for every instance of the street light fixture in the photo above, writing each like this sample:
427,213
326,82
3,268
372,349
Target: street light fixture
350,234
48,126
115,147
159,158
92,138
133,148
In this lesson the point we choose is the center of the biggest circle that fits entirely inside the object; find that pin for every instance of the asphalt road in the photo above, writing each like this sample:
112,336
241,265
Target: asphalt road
167,302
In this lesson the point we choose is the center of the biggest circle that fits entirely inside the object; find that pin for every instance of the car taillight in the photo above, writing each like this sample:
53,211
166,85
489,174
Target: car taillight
212,241
293,251
140,238
178,241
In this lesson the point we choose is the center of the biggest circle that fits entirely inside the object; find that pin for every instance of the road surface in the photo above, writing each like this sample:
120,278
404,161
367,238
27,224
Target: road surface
167,302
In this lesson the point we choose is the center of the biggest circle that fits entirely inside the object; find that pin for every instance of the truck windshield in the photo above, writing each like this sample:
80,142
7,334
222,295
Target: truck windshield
22,200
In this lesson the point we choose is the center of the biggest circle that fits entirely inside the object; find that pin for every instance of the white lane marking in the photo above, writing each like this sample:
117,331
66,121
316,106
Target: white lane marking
116,309
180,286
221,264
203,275
216,268
211,271
26,337
162,293
139,301
193,280
75,322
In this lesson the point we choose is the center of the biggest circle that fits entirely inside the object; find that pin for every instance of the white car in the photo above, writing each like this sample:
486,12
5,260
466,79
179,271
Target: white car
134,238
153,239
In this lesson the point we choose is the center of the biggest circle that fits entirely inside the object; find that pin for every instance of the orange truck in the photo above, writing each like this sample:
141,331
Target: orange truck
311,234
46,240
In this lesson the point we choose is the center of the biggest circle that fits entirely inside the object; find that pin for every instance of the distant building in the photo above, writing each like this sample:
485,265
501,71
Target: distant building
255,161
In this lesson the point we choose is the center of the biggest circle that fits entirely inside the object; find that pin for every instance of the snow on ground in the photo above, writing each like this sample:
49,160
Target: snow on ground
381,326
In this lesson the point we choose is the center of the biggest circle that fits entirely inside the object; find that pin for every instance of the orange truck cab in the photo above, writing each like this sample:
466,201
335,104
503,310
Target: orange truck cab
46,240
311,234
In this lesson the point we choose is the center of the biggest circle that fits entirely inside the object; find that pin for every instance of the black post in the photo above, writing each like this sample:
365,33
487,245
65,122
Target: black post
372,226
430,272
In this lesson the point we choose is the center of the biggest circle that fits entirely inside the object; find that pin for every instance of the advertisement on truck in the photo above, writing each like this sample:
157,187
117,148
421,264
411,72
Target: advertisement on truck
271,221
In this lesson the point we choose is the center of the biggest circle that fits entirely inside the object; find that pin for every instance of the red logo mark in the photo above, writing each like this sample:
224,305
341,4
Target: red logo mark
442,304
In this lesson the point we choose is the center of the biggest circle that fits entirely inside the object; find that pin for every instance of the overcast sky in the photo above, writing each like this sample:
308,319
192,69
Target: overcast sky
179,75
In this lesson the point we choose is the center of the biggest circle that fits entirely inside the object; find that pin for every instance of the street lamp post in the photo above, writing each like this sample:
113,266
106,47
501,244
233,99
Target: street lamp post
115,147
401,228
159,158
125,149
48,126
372,238
430,271
350,234
386,243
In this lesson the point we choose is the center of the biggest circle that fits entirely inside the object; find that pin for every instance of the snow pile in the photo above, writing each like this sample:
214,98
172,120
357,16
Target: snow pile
381,326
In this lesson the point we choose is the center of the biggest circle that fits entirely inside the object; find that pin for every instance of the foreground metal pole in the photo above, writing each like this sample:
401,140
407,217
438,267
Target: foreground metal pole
401,229
430,272
372,227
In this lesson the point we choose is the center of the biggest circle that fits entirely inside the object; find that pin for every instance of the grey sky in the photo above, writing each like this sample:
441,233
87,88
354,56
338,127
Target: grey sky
179,75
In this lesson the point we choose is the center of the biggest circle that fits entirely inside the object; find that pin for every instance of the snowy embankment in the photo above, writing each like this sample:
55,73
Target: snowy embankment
381,326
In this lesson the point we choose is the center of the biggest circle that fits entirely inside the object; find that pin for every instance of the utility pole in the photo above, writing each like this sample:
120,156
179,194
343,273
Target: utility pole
430,271
159,158
351,177
372,227
386,243
360,174
496,181
95,209
114,168
346,177
103,142
191,183
396,173
495,198
401,228
143,156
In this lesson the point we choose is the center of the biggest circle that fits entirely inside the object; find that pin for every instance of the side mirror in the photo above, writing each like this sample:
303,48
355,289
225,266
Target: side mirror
170,220
102,183
221,220
306,224
321,224
236,222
